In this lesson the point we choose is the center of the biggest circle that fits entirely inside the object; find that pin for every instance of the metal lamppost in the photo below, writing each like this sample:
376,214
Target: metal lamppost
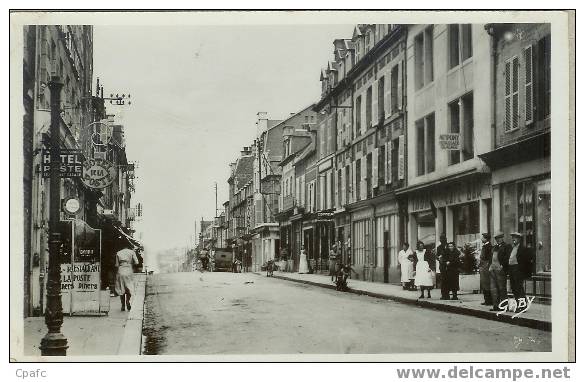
54,343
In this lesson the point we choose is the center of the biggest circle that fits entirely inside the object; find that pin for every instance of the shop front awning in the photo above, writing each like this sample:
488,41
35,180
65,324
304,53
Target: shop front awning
534,147
129,238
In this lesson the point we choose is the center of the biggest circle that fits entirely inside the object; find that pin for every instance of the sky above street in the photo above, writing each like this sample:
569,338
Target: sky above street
195,92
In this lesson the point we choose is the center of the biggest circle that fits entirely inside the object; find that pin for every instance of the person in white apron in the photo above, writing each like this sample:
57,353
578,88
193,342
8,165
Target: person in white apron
303,264
424,275
406,266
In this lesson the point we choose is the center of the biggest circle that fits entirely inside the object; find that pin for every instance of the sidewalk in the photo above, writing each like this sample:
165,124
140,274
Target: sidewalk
538,316
118,333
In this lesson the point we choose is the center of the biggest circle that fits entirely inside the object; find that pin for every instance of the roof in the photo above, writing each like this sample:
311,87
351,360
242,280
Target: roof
244,171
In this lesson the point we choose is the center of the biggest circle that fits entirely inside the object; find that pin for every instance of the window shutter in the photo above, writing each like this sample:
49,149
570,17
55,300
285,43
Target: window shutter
387,92
335,182
507,96
375,168
399,86
389,162
343,201
528,83
515,95
375,103
353,183
401,157
363,184
321,190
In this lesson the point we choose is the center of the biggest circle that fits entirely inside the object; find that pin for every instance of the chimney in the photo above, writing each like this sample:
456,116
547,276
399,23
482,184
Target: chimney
262,122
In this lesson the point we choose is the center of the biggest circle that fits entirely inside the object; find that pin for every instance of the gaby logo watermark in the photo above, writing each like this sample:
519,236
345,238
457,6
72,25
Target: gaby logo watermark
516,307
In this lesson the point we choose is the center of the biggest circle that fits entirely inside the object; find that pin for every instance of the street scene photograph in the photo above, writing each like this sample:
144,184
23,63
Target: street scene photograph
295,184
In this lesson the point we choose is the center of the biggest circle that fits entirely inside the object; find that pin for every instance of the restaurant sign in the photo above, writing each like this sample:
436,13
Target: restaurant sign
98,173
70,163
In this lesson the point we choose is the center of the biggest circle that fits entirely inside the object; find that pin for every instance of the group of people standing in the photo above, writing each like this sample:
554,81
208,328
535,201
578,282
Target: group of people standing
418,268
497,263
501,261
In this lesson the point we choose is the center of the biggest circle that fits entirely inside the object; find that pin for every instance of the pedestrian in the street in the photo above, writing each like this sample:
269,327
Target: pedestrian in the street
441,255
303,264
498,271
412,274
333,261
424,276
485,260
519,266
406,265
125,259
452,266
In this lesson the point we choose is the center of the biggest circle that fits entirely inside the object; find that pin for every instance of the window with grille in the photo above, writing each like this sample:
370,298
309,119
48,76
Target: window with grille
511,93
528,85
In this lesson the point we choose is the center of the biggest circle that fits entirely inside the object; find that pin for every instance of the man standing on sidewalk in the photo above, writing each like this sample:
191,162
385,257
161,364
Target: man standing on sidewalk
519,266
441,255
485,260
498,270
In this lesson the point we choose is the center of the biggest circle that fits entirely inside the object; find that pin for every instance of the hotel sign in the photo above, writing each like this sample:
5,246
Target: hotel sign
70,163
449,194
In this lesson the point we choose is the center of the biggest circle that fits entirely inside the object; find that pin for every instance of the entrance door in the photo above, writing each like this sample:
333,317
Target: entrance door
386,256
543,218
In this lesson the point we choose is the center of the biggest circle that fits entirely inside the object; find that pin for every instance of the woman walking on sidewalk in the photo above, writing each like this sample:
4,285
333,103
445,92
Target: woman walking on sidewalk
125,259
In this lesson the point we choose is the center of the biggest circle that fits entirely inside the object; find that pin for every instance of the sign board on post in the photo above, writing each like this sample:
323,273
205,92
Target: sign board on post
71,163
80,267
450,141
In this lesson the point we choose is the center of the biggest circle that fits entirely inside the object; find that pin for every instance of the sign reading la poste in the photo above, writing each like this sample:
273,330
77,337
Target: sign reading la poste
98,173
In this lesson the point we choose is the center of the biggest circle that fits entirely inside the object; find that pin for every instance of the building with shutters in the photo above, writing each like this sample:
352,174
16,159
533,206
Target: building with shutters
520,156
298,193
448,128
361,148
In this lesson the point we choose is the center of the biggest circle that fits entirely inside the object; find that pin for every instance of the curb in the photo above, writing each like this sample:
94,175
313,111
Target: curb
519,321
131,343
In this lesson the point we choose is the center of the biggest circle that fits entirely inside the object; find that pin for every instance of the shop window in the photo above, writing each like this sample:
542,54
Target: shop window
425,222
466,223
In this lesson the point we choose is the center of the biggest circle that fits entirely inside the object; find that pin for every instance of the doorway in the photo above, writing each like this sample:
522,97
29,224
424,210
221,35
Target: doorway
386,260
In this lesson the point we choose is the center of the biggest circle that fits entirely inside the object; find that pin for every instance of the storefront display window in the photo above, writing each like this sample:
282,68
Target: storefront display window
389,225
361,237
466,223
426,229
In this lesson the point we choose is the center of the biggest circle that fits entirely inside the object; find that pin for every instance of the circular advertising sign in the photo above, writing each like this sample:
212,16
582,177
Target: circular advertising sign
72,206
98,173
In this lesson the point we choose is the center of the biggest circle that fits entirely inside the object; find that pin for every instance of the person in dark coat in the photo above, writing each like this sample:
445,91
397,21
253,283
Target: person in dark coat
440,254
498,270
485,259
519,266
452,266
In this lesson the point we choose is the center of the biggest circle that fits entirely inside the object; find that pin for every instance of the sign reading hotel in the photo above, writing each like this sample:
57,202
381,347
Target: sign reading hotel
98,173
70,163
450,141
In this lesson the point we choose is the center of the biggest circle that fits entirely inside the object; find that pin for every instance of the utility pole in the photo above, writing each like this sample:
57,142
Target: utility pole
54,343
215,200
